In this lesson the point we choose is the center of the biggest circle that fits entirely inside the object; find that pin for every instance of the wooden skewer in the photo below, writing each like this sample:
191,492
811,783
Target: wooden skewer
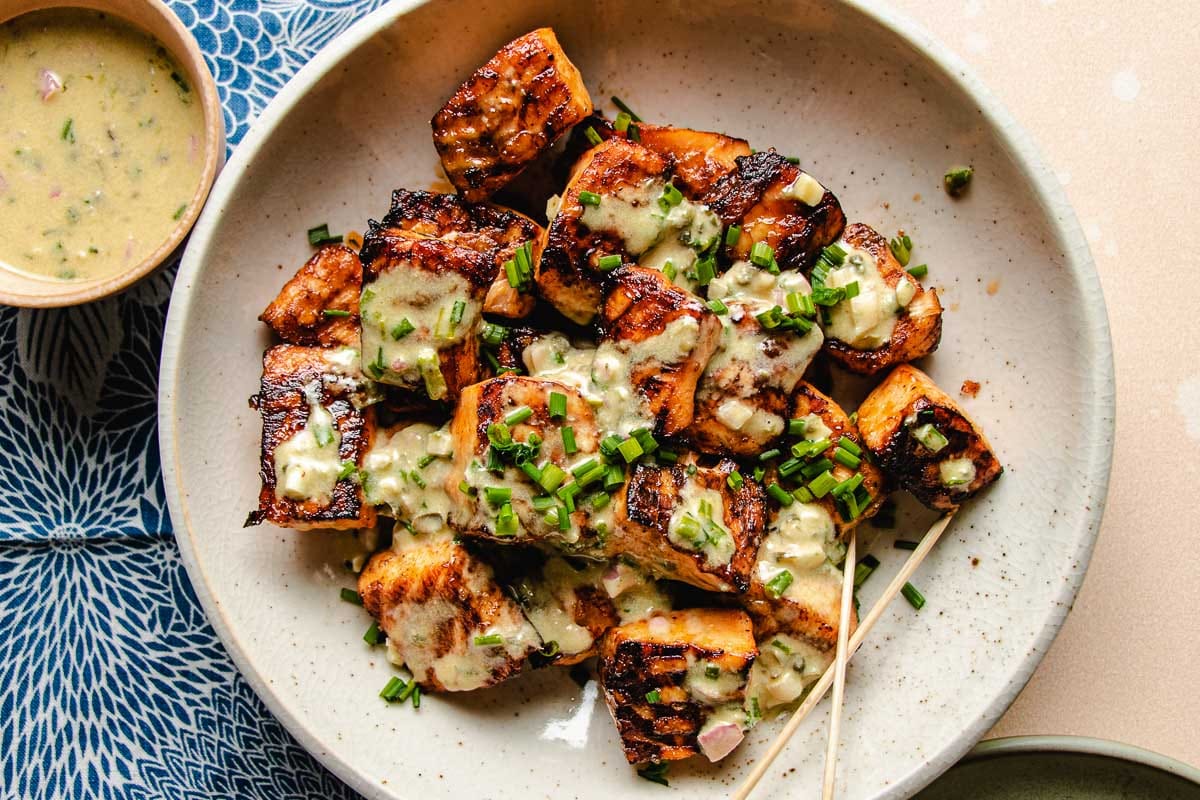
860,633
839,669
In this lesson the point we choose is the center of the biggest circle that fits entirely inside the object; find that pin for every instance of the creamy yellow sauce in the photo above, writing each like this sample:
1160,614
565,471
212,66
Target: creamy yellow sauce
307,464
802,541
408,317
406,471
786,666
698,523
551,604
100,145
866,321
635,594
623,409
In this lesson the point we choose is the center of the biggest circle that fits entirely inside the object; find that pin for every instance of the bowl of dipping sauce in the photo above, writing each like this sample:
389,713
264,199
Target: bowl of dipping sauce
111,134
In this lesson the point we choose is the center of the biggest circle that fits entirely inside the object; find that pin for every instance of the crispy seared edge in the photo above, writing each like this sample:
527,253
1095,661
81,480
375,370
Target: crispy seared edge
330,280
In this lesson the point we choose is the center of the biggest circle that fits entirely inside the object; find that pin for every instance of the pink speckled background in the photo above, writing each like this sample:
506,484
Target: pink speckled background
1108,91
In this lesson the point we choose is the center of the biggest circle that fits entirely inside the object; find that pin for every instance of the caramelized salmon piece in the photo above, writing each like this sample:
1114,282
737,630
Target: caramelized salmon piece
700,157
672,679
569,274
314,436
319,305
656,341
422,307
485,227
445,616
509,112
766,195
569,607
688,523
925,440
877,330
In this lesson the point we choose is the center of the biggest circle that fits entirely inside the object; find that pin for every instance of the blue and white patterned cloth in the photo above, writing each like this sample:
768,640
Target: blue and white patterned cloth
112,683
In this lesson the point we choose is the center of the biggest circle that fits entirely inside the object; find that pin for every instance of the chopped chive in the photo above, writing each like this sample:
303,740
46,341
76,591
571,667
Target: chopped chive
543,503
913,595
179,212
732,235
665,456
653,696
850,290
417,479
497,495
781,495
609,262
848,485
416,695
599,500
779,584
712,672
630,449
864,568
552,477
373,636
489,640
513,276
844,456
820,485
796,427
425,460
645,439
919,271
717,307
930,437
506,521
320,235
431,372
616,101
770,319
589,198
493,334
518,415
393,689
706,270
402,329
905,544
614,477
532,470
735,480
810,471
759,472
592,136
767,455
761,254
656,773
568,494
335,312
348,469
351,596
584,467
622,123
670,197
68,131
846,443
467,489
900,250
790,467
456,313
669,270
827,297
568,440
803,495
957,180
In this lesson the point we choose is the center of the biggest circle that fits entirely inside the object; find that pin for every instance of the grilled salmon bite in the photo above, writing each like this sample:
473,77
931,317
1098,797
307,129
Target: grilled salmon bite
319,305
510,111
925,440
671,680
445,617
497,231
314,436
890,320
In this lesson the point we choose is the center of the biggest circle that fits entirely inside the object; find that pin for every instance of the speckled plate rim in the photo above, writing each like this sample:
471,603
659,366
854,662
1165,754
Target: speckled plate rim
1084,745
1097,452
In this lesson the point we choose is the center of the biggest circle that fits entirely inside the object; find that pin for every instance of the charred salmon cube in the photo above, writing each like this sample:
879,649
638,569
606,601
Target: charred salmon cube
319,305
314,436
890,319
676,683
656,341
700,157
925,440
743,398
445,616
512,466
689,523
779,205
421,307
585,234
497,231
509,112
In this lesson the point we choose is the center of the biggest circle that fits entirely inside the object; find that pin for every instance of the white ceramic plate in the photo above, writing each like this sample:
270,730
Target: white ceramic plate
875,109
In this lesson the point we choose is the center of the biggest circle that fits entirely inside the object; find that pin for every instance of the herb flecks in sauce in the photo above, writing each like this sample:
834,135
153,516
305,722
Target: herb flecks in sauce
100,135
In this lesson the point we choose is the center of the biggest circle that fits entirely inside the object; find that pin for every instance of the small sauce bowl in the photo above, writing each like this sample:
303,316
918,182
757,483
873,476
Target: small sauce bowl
152,17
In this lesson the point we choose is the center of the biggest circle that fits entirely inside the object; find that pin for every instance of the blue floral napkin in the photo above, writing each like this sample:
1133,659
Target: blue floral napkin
112,683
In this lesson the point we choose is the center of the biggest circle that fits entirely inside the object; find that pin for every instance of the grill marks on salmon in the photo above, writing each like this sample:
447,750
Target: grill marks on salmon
509,112
329,281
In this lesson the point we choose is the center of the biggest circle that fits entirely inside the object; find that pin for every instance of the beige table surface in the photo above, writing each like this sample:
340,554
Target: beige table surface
1109,91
